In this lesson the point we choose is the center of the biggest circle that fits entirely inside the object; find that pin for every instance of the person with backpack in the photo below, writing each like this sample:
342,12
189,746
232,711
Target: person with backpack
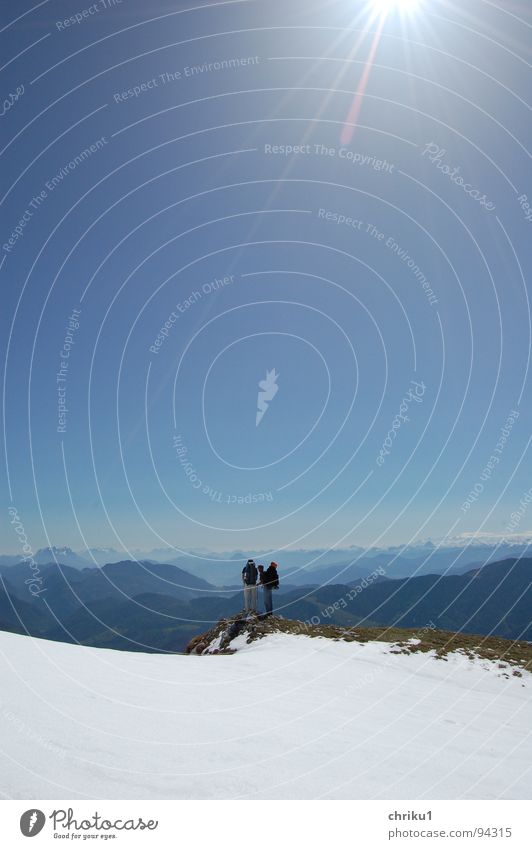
249,579
270,581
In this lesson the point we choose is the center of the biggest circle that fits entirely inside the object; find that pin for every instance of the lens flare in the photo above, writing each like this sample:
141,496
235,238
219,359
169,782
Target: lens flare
385,6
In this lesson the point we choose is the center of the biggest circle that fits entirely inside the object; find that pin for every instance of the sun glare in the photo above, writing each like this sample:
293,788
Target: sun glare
385,6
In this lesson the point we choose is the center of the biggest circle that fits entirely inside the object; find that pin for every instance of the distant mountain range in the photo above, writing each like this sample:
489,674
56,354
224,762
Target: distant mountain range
63,555
451,556
146,606
301,567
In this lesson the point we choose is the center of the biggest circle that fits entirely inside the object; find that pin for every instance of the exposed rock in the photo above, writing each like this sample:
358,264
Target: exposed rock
219,639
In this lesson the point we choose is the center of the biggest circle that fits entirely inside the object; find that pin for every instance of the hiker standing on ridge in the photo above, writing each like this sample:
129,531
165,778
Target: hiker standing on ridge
270,581
249,579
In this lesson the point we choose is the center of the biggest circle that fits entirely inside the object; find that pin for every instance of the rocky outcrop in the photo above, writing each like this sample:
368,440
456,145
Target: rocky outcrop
511,656
219,638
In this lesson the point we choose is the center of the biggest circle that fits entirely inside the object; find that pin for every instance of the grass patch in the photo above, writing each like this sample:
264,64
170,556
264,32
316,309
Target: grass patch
511,655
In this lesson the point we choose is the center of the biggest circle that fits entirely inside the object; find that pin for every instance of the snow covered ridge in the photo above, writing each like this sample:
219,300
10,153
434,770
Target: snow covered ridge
505,656
287,716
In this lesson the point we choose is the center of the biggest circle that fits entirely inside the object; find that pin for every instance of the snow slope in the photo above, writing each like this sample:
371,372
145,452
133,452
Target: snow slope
286,717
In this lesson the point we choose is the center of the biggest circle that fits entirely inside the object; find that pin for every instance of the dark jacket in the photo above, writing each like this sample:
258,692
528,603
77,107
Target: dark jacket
270,578
250,574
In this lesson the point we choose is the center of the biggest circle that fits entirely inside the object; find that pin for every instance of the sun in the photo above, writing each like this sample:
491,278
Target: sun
385,6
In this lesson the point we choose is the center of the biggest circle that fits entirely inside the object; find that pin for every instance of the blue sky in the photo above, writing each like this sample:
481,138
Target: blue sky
357,271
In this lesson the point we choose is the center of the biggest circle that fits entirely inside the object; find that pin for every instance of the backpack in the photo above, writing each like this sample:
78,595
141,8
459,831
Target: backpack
270,578
250,573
